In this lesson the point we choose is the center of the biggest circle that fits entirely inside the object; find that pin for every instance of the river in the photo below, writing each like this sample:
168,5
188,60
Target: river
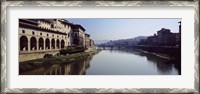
112,62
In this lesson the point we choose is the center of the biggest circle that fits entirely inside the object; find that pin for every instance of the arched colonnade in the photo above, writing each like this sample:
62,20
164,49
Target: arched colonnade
32,43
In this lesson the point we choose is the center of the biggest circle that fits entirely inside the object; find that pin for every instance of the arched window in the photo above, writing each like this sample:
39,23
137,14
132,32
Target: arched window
47,42
33,43
57,43
41,43
62,44
23,43
53,43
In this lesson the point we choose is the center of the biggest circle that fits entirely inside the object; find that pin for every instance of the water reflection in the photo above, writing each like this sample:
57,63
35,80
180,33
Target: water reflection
111,62
164,66
130,62
75,68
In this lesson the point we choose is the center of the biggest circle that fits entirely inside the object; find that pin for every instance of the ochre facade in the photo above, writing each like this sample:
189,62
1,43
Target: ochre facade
38,37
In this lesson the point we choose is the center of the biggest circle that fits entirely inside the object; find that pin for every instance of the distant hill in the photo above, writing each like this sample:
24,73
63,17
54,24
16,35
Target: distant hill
122,42
139,38
100,41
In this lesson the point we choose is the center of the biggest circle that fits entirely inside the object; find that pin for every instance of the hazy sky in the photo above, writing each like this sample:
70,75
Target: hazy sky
113,29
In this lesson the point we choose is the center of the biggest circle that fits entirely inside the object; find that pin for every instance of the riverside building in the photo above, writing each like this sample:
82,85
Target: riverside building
38,37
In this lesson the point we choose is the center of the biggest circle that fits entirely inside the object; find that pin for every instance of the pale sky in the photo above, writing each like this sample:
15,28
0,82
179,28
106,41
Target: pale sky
113,29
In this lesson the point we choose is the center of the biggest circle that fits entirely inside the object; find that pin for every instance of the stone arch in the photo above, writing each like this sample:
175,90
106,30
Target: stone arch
53,43
33,43
41,43
62,43
47,43
57,43
23,43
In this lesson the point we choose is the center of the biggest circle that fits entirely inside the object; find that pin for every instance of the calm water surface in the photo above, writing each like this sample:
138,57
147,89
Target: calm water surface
112,62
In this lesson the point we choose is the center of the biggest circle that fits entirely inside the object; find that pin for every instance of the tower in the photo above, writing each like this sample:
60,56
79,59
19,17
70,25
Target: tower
179,33
179,27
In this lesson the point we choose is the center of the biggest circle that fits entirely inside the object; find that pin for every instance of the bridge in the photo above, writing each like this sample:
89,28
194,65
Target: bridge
106,47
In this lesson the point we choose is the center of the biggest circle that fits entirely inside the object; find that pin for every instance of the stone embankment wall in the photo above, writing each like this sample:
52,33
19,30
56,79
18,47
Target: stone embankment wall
91,49
171,51
35,55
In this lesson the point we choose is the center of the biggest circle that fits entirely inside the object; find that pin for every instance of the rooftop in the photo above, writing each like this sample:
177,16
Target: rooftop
88,35
76,26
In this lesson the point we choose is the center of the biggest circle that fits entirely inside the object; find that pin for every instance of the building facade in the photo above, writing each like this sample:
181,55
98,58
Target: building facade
166,38
152,40
38,37
42,35
92,44
78,36
87,41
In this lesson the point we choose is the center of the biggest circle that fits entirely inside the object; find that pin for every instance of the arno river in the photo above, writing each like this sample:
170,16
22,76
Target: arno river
112,62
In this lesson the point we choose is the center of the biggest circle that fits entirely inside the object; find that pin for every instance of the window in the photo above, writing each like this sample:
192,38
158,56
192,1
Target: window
40,33
52,26
33,33
76,35
52,35
47,34
23,31
57,36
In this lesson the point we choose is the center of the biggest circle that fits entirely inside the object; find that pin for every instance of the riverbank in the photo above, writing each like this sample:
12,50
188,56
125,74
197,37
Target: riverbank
160,54
165,51
165,54
46,62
